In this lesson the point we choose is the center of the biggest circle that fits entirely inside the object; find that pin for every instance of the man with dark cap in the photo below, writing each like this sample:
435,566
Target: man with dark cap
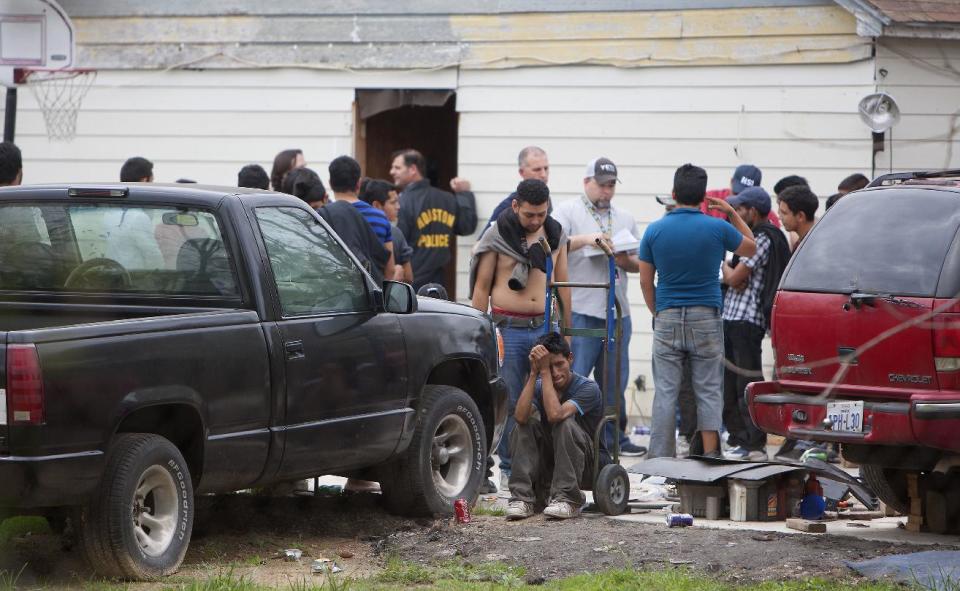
751,284
744,177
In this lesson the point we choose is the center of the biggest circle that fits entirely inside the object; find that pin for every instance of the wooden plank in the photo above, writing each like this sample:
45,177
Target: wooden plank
175,8
252,99
743,22
279,78
638,100
670,52
859,73
804,525
933,50
442,28
782,153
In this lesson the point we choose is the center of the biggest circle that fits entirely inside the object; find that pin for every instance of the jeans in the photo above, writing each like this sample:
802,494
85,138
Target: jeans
742,343
551,462
588,356
517,343
694,334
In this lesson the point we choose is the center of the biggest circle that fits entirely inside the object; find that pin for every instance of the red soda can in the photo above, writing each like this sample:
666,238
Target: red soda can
462,510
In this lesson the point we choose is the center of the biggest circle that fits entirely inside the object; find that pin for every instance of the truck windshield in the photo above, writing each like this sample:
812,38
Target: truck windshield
883,242
108,248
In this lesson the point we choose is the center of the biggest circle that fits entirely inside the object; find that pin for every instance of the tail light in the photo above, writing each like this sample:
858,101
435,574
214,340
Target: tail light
24,385
500,351
946,350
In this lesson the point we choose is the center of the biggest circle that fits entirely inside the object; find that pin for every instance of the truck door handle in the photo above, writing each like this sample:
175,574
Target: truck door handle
294,350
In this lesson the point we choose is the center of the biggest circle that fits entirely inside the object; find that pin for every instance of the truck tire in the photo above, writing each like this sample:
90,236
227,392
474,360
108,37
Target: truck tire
446,459
889,484
138,524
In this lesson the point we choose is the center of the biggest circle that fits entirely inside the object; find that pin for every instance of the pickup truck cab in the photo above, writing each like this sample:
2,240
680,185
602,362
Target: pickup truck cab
163,341
866,335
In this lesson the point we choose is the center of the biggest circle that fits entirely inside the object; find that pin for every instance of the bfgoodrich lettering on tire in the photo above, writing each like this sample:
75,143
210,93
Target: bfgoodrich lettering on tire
446,459
138,526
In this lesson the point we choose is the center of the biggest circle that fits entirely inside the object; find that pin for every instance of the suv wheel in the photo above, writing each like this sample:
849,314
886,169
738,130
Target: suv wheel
446,459
139,522
889,484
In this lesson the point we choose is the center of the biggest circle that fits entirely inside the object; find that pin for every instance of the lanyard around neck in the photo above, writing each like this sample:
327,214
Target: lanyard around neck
596,216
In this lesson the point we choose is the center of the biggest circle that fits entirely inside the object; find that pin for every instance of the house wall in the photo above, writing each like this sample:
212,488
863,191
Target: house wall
923,76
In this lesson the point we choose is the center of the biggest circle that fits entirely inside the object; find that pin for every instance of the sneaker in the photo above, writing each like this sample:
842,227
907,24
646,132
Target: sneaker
736,453
630,450
488,488
561,510
683,447
519,510
714,455
757,455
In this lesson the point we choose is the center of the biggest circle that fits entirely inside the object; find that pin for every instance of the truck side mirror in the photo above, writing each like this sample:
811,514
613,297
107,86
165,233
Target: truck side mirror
399,297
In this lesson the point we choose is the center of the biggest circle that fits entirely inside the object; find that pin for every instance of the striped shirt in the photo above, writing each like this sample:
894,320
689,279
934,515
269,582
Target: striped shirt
377,220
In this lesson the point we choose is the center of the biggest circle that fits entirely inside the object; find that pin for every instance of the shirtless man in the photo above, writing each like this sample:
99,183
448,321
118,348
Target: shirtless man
510,282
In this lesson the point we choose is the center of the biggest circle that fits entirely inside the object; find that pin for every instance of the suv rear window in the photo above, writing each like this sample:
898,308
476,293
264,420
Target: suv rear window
113,249
887,241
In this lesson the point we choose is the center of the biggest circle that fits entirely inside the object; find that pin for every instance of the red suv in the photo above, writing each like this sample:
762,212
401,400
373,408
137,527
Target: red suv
866,333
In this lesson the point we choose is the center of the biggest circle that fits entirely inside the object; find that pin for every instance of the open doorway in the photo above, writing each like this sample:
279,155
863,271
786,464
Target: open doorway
425,120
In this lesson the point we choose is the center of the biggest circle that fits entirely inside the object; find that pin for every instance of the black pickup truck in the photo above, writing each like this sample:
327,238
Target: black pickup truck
164,341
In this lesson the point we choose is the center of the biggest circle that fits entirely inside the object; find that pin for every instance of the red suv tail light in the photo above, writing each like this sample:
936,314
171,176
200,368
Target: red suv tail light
24,385
946,350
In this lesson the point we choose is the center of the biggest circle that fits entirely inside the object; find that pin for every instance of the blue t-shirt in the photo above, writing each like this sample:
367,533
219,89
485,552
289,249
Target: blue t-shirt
686,247
377,220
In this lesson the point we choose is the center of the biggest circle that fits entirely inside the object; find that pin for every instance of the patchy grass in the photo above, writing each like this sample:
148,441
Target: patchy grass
493,511
15,527
8,579
405,573
683,580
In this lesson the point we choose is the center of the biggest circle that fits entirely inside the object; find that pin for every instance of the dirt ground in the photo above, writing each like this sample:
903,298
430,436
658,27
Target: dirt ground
246,534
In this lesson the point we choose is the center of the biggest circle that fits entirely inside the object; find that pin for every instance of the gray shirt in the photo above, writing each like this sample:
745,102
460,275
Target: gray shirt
577,219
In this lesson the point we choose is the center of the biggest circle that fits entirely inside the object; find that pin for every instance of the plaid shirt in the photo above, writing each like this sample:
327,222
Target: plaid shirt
746,304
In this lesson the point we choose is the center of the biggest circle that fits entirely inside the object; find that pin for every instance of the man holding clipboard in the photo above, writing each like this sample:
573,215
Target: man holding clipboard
585,219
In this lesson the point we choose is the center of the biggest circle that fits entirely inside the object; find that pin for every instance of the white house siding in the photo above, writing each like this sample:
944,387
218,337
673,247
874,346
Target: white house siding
923,76
785,119
205,125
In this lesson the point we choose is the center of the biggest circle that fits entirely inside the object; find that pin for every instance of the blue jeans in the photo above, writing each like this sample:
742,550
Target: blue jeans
679,334
517,343
588,356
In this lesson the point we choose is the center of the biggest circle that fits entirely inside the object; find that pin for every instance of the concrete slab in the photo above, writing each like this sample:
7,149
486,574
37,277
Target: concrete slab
886,529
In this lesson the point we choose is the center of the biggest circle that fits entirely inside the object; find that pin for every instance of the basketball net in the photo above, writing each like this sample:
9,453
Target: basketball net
60,94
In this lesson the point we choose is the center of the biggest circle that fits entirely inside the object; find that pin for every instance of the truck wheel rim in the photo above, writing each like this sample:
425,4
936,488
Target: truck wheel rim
451,456
155,511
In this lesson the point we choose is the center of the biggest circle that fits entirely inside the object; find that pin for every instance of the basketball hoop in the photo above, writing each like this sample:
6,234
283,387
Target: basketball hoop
59,94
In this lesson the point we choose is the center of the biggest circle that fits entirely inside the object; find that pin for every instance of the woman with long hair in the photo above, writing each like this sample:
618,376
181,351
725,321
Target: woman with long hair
283,163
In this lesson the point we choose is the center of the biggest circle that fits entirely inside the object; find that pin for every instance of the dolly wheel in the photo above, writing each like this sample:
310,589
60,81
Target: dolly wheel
611,492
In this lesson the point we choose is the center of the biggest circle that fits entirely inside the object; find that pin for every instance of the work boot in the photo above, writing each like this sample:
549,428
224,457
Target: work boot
519,510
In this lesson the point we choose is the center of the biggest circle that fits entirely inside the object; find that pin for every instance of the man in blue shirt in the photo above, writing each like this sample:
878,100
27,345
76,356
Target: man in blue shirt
345,183
532,163
685,249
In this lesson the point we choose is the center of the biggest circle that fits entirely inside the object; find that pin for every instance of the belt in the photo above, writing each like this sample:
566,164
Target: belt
504,321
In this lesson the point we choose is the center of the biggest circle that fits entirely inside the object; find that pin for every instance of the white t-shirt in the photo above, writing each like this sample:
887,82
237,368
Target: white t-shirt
576,218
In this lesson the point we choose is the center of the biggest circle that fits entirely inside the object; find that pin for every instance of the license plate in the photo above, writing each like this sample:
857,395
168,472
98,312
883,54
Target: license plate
846,416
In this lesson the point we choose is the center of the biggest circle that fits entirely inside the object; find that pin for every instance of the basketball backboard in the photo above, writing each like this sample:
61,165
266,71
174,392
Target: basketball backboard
35,35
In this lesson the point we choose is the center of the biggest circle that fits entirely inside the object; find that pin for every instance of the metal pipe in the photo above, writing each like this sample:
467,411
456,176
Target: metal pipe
10,115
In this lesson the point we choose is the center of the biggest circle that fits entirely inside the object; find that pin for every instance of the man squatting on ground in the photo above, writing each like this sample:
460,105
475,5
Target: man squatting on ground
508,275
684,249
552,445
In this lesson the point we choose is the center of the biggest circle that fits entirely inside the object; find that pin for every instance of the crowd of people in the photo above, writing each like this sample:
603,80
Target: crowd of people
708,271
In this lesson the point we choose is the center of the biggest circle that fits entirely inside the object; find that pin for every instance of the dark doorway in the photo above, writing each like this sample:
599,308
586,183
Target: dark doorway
425,120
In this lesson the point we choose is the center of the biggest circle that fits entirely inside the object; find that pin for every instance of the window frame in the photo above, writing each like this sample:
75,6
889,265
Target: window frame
366,281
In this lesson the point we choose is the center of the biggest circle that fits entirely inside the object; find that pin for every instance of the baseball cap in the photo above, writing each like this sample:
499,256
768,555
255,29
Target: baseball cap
745,176
755,197
603,170
666,200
